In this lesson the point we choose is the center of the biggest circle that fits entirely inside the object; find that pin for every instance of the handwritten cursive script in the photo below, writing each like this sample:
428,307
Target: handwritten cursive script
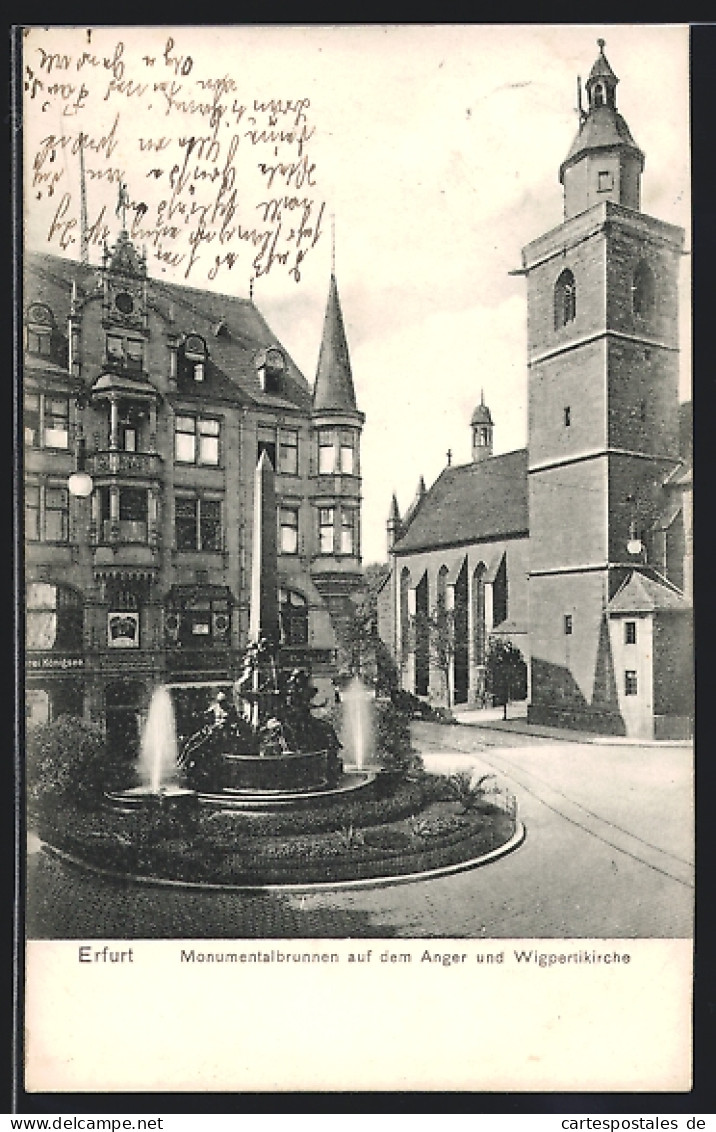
204,173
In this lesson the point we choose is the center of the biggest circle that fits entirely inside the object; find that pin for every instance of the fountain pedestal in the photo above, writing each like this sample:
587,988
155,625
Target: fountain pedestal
296,773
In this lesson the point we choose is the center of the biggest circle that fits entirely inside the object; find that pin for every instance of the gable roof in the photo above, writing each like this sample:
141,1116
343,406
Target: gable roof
472,503
233,328
643,594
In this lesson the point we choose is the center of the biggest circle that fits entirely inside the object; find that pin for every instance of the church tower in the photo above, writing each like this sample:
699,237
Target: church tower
336,425
603,407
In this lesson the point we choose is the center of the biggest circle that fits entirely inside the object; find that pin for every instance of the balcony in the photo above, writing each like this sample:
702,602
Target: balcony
143,465
122,531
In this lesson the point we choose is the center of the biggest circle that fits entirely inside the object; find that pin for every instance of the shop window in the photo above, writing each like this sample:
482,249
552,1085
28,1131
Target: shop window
326,517
46,420
565,299
293,609
53,619
198,524
630,683
47,513
196,440
288,452
288,534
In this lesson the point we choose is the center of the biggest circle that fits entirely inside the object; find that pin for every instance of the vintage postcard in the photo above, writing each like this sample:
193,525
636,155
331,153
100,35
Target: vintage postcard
356,385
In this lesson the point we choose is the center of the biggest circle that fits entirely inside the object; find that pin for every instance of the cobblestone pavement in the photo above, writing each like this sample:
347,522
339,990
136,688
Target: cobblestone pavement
608,853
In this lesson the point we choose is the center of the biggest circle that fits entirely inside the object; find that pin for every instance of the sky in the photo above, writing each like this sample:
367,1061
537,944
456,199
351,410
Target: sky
436,149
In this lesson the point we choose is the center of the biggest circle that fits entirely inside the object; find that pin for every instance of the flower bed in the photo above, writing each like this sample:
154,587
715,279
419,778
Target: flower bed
417,829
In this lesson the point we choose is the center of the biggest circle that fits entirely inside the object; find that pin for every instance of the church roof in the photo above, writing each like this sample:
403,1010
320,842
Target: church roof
233,328
472,503
643,594
334,380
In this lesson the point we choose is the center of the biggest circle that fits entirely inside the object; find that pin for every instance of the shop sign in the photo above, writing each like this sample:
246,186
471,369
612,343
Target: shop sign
54,661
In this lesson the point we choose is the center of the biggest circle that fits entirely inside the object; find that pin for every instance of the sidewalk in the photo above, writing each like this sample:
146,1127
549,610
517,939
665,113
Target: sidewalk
517,723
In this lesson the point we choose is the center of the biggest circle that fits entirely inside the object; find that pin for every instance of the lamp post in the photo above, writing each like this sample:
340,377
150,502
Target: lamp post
635,545
80,483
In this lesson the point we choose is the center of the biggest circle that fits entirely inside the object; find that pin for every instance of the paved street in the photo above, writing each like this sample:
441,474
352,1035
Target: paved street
608,853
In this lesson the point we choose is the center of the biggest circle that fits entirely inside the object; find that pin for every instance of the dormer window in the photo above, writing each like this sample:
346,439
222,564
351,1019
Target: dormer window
270,365
195,353
40,324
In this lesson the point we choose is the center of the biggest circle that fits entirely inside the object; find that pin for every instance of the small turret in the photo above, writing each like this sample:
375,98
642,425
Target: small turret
394,524
482,431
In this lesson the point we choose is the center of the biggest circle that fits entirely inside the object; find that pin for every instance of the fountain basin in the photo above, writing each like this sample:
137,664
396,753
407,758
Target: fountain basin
174,801
295,773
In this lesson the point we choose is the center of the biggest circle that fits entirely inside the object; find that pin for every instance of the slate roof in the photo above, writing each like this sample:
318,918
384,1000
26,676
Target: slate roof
603,128
233,328
472,503
334,380
643,594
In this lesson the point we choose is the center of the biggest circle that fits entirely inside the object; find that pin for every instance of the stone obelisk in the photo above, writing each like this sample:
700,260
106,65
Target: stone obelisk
263,611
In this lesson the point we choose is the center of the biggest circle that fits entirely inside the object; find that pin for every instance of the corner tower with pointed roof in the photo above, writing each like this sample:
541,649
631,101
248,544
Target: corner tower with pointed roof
336,495
603,410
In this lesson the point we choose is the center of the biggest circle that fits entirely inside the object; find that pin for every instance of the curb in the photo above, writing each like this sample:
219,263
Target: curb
579,736
321,886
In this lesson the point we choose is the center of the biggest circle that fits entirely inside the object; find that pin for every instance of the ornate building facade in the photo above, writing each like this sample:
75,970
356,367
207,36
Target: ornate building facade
165,397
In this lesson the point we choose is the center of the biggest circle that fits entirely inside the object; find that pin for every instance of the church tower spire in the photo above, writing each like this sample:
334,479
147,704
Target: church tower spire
604,162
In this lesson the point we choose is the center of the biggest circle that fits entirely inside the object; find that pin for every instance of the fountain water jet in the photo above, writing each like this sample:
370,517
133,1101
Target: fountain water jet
158,762
357,724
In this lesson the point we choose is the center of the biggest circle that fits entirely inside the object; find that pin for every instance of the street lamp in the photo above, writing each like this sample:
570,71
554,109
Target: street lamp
634,544
80,482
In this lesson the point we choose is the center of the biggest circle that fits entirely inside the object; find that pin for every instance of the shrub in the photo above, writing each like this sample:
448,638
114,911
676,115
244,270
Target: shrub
68,758
467,790
393,744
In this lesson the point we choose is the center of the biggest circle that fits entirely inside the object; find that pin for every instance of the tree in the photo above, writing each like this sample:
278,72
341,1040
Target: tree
505,672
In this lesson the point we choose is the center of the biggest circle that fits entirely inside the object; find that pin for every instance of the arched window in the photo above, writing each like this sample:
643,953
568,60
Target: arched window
404,613
478,614
565,299
642,290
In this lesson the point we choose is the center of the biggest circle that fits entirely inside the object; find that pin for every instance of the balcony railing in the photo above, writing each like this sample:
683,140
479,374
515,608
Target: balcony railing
123,531
112,463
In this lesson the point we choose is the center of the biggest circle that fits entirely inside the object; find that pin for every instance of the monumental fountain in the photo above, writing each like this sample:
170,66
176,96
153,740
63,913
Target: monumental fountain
261,744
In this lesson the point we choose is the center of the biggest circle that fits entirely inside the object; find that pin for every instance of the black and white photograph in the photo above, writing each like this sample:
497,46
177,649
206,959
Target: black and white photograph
356,446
